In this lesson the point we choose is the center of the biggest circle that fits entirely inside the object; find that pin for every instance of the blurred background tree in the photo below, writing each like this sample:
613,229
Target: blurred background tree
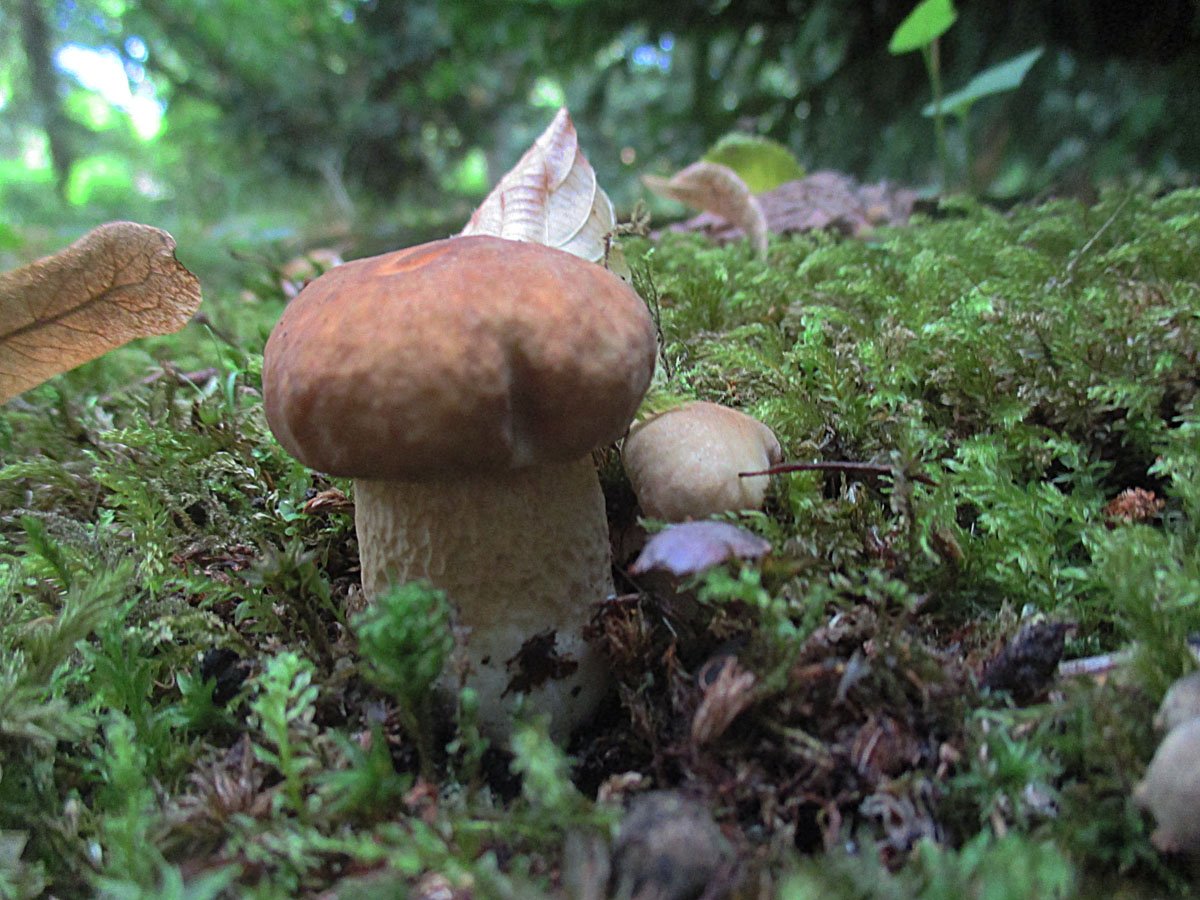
207,109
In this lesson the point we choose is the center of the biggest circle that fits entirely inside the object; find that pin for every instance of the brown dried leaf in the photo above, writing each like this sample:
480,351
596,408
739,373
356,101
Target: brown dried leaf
550,197
726,698
118,282
823,200
716,189
1133,505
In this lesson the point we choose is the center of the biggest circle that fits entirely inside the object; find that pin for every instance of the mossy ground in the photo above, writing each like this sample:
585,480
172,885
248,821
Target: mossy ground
1014,372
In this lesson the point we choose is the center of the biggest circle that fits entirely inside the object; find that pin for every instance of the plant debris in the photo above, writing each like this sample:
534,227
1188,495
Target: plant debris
821,201
1026,665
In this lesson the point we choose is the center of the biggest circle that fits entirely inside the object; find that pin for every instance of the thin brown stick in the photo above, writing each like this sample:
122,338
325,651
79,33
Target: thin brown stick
858,468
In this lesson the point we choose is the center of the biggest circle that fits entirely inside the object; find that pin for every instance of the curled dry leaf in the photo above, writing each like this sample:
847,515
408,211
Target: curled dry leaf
726,698
692,547
716,189
118,282
822,200
550,197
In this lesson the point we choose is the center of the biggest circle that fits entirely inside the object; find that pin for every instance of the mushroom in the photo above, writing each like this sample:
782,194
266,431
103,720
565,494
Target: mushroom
1171,790
463,385
684,463
1181,703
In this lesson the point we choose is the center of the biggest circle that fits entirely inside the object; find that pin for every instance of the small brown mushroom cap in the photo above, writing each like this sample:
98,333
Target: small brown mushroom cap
684,463
1171,790
469,354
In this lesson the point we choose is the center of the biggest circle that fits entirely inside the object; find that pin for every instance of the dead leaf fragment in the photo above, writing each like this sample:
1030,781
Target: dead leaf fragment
725,698
823,200
692,547
550,197
716,189
118,282
1133,505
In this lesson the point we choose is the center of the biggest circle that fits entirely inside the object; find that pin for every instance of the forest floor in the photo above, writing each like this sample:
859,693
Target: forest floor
183,707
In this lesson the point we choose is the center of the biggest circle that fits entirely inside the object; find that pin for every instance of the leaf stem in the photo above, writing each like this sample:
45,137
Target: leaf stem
932,55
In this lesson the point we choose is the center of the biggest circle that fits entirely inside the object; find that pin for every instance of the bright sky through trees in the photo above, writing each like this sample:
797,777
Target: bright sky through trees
101,70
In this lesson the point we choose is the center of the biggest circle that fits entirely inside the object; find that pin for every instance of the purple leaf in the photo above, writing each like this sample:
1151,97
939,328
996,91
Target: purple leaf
692,547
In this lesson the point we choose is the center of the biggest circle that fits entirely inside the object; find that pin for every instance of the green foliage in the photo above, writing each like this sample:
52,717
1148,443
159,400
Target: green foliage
170,886
988,868
1009,374
545,776
763,164
405,639
920,31
283,708
128,799
290,594
997,79
369,784
928,21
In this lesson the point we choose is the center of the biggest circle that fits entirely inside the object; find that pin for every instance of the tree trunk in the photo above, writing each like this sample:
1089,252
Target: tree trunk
35,37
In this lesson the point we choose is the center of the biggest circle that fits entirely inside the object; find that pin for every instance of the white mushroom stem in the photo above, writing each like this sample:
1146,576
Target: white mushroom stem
517,553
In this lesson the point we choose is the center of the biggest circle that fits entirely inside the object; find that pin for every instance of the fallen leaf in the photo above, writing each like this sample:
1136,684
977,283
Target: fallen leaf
550,197
1133,505
725,698
762,163
300,270
716,189
823,200
324,503
692,547
118,282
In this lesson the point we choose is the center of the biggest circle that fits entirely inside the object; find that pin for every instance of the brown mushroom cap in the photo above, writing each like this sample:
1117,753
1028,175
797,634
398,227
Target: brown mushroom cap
684,463
472,353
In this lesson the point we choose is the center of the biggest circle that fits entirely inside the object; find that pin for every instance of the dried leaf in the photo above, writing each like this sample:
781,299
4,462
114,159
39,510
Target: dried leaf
118,282
692,547
716,189
550,197
726,698
823,200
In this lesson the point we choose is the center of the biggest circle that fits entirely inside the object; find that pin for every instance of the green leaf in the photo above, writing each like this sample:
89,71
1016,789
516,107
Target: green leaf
1005,76
924,25
762,163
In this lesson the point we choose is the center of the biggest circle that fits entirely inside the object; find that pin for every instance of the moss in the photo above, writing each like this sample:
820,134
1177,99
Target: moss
1013,373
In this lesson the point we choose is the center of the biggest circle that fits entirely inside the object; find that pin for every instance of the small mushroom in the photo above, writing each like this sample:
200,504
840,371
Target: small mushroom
684,463
1171,790
1180,704
463,384
669,848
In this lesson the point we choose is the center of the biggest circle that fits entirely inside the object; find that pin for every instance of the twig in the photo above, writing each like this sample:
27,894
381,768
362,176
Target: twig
841,466
1069,271
1094,665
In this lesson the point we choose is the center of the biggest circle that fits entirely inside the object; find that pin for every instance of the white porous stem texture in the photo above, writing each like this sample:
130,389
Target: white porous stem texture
517,553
